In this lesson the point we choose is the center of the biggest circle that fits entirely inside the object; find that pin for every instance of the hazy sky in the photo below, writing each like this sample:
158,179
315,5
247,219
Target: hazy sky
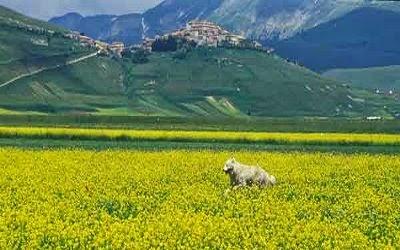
46,9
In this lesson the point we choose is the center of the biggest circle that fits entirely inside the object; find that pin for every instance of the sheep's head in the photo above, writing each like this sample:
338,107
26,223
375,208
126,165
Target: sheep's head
230,165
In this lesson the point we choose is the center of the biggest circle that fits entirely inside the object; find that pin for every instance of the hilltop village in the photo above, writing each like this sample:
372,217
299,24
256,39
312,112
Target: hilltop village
204,33
200,33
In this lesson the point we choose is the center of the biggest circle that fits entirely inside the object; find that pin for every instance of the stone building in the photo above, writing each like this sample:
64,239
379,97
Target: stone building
207,33
117,48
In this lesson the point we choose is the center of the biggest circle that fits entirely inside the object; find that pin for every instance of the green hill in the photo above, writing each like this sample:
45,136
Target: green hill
384,78
241,82
42,71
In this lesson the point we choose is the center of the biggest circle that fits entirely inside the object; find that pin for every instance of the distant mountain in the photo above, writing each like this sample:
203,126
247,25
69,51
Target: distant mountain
46,9
71,21
320,34
270,20
262,19
173,14
109,28
131,29
366,37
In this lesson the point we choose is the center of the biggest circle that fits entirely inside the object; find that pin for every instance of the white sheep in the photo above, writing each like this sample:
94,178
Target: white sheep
242,175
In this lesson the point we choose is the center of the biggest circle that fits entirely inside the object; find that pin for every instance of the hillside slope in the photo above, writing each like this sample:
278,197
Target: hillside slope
242,82
41,70
382,78
28,45
58,75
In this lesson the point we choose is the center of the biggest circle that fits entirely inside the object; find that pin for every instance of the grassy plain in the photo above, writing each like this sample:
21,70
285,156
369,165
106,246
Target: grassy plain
158,146
141,200
383,78
203,123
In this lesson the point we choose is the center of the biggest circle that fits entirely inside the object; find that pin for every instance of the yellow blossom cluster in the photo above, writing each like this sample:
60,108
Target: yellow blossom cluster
74,199
201,136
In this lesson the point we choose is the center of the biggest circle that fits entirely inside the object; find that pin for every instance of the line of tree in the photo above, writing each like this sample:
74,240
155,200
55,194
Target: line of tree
171,44
139,56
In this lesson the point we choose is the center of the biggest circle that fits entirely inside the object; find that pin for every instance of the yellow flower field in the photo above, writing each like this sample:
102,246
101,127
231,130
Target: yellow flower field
202,136
179,199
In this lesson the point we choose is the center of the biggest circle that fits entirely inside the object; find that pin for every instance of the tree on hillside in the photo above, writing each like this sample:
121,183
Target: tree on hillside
138,56
171,44
184,47
165,44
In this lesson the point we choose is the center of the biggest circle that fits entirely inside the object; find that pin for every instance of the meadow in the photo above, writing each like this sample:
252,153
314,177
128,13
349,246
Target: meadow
292,124
383,78
181,199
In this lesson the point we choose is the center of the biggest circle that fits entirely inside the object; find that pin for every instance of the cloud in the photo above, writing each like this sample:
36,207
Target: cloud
45,9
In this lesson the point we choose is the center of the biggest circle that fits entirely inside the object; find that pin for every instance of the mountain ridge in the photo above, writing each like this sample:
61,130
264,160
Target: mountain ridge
366,37
260,19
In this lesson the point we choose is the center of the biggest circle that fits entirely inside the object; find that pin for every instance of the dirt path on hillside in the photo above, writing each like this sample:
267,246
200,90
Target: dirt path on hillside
15,79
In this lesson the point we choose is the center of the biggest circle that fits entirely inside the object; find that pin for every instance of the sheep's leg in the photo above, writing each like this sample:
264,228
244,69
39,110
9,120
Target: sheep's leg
262,182
239,184
233,180
263,185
